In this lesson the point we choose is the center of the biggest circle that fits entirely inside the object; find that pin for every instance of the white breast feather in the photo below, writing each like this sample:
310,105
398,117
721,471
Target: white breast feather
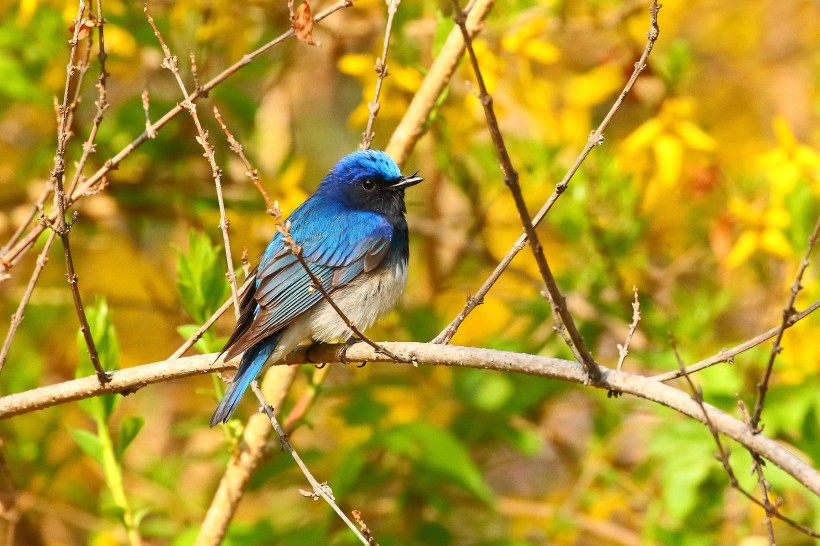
364,300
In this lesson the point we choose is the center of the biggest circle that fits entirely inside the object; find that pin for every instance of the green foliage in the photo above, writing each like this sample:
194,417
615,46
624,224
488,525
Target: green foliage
107,344
438,451
202,286
100,446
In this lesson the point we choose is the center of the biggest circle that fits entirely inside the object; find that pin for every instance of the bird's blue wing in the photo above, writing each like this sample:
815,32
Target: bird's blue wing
336,250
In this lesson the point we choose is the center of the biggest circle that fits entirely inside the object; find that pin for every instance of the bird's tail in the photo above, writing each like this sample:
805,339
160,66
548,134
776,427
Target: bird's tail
252,362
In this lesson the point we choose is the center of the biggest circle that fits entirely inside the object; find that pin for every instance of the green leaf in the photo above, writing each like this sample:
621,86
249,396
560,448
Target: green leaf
202,284
437,450
129,428
108,349
88,442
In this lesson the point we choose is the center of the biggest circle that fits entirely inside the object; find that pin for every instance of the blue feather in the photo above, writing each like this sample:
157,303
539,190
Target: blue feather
252,362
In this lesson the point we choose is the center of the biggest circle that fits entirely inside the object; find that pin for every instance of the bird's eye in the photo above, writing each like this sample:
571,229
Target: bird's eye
368,184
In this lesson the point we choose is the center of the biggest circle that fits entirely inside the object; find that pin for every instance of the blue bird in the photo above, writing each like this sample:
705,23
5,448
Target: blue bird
354,238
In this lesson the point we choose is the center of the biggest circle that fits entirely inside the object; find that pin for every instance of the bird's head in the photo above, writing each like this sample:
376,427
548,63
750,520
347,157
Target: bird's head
369,180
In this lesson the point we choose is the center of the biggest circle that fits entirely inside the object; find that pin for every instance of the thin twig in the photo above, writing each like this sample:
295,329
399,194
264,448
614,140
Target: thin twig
245,458
171,63
88,147
61,226
381,73
318,489
723,457
623,350
595,139
558,327
788,311
37,207
284,228
511,180
727,355
415,119
149,129
17,317
765,486
357,515
15,251
250,172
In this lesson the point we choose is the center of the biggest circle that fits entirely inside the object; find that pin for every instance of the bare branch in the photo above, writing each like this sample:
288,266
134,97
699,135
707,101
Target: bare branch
623,350
511,180
17,317
318,489
595,139
788,311
411,127
61,226
723,457
251,173
381,73
171,63
727,355
244,459
13,252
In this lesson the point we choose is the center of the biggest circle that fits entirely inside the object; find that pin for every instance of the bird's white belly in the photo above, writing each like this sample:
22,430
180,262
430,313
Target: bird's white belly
363,301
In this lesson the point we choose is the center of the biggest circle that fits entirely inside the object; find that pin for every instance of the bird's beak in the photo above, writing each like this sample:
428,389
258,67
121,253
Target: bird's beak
407,181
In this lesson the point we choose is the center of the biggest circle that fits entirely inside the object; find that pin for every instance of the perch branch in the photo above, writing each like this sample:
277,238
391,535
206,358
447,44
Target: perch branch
131,379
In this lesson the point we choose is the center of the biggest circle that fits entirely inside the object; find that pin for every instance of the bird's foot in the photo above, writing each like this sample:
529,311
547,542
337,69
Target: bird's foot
343,352
317,364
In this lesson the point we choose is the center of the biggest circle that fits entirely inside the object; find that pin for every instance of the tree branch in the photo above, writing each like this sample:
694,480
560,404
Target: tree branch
244,460
788,311
131,379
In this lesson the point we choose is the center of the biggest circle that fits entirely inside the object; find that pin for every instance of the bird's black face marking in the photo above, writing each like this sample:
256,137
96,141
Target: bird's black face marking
373,192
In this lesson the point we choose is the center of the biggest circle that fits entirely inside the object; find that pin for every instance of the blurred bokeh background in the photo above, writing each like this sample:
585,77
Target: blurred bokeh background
702,196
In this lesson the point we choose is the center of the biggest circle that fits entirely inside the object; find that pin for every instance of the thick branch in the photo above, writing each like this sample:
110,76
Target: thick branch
132,379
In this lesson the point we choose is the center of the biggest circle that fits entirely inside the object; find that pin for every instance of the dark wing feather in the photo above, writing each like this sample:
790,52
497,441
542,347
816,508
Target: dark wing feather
336,251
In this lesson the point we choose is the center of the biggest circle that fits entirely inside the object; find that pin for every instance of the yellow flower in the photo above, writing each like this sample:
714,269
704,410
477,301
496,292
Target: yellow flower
398,87
763,230
669,136
789,162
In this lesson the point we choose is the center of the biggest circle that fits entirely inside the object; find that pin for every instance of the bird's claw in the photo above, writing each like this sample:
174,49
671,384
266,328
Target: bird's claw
343,352
317,365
